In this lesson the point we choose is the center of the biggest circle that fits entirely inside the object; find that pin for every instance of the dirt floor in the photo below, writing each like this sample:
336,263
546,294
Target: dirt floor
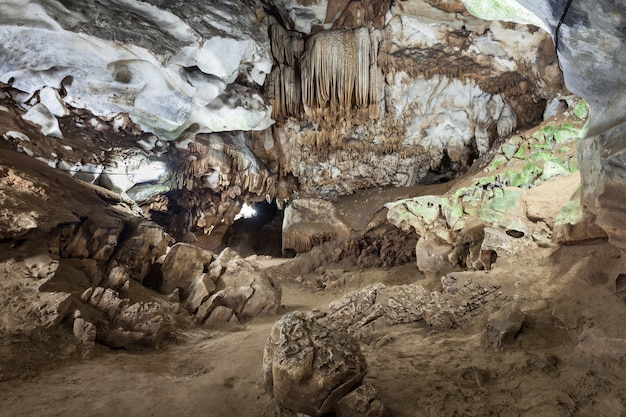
216,371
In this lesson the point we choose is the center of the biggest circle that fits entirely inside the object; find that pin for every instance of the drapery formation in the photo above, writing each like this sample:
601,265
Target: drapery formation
332,77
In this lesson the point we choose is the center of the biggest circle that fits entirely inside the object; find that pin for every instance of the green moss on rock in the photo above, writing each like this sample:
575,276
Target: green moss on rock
509,150
561,133
571,213
581,110
554,167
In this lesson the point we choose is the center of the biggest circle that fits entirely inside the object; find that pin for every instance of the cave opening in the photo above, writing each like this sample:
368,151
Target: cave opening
258,231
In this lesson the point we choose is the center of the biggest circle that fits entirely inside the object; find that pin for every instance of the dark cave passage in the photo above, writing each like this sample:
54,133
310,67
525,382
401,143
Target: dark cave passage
260,234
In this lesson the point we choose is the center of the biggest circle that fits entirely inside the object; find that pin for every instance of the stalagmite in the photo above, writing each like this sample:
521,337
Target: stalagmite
507,121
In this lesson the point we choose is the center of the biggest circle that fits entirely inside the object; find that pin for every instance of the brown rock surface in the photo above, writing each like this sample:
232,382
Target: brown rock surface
308,368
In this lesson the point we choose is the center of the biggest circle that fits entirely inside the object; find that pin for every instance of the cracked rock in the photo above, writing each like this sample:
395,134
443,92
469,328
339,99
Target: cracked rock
309,368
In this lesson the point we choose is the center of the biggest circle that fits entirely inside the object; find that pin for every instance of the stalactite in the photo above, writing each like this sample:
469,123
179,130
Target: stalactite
336,74
335,82
287,46
362,80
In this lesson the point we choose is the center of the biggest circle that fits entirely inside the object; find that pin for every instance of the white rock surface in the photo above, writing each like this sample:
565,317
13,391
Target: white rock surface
42,117
302,15
162,66
50,98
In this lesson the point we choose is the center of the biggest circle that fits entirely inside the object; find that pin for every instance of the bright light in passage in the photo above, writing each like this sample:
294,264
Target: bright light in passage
246,212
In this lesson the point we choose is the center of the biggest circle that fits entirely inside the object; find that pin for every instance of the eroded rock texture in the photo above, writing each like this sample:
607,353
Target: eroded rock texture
407,102
309,368
158,64
218,288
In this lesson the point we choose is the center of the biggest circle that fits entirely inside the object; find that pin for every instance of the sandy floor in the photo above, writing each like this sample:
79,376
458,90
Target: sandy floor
215,372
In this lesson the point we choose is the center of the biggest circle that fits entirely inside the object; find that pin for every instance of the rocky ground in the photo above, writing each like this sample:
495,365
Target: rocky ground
561,363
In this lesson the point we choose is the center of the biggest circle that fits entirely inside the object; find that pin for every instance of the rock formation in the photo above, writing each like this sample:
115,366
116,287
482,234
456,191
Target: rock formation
361,94
218,288
577,29
311,370
132,130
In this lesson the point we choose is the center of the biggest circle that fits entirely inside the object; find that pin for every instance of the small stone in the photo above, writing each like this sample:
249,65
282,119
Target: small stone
504,325
362,402
86,295
84,331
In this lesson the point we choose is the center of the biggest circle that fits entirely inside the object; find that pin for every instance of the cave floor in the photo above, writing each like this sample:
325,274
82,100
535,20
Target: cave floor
216,371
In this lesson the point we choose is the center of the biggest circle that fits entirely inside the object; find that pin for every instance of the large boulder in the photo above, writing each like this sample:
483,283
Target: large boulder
238,285
146,243
122,323
182,265
218,287
308,368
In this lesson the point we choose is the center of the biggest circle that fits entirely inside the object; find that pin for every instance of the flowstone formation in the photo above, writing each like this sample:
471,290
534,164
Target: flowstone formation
417,93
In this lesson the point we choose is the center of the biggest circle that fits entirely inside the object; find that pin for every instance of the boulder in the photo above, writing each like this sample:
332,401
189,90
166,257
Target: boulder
41,116
308,368
234,283
222,314
199,290
146,243
207,307
124,324
117,278
182,265
433,256
95,237
249,290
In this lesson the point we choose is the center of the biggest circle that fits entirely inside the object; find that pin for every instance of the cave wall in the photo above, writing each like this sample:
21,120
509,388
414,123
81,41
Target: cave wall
150,101
435,91
591,52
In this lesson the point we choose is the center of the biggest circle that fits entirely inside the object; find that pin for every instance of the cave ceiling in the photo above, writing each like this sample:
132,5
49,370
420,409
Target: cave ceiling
191,109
